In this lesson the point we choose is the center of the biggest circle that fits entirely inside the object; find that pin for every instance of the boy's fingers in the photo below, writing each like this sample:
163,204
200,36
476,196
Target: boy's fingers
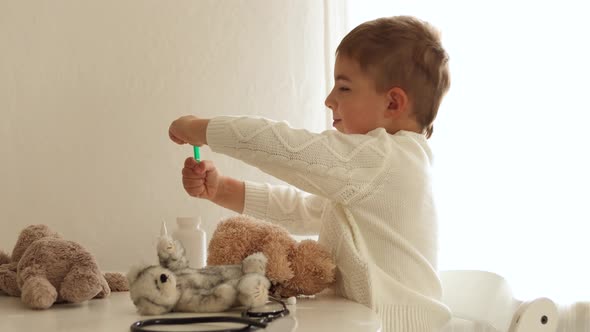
192,184
193,169
206,165
192,173
190,162
175,139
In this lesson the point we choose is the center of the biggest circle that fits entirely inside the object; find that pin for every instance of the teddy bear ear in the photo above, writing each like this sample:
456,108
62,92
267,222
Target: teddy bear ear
4,258
135,272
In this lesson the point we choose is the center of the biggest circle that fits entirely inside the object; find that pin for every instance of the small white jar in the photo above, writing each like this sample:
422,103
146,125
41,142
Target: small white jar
193,239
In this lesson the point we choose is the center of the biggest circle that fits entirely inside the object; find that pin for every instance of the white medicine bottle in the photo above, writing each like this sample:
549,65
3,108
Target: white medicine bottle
193,239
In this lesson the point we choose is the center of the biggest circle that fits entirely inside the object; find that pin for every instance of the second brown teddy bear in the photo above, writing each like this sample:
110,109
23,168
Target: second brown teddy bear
294,268
44,269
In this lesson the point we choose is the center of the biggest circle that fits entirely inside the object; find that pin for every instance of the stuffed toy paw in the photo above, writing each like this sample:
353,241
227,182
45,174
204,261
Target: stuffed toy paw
174,286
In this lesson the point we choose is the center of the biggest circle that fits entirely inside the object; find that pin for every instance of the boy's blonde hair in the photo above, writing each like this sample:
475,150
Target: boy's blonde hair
405,52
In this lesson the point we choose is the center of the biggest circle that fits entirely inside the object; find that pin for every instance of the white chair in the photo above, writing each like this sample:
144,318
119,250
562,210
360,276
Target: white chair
484,299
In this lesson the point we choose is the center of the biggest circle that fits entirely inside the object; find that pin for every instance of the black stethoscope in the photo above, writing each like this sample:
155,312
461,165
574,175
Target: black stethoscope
250,319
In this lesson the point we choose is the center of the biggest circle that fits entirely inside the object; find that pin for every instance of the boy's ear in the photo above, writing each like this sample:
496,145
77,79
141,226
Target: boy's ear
398,101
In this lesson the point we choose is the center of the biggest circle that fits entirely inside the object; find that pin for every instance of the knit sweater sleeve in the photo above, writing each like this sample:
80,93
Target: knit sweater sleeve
329,164
299,212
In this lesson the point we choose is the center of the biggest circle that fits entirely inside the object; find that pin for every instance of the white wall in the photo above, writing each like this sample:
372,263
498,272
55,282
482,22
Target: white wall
88,89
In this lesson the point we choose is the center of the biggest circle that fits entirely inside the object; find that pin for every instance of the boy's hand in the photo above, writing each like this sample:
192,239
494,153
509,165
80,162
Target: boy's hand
200,179
189,129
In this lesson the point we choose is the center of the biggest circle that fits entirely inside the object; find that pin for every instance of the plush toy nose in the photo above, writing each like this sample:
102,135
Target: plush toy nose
163,277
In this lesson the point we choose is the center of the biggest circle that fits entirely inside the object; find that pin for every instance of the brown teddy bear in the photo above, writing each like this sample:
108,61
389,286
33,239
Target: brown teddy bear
294,268
44,269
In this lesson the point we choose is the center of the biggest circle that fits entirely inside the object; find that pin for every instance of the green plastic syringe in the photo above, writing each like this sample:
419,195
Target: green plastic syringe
197,153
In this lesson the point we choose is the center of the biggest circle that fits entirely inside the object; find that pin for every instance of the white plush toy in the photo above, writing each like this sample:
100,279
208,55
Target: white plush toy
173,286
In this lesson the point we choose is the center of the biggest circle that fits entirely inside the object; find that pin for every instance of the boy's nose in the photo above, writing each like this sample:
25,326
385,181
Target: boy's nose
329,102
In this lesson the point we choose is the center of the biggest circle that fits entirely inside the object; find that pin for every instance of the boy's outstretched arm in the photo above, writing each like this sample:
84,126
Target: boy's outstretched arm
232,194
332,165
297,211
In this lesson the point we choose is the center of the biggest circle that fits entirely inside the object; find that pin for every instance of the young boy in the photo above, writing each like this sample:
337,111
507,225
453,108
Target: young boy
365,188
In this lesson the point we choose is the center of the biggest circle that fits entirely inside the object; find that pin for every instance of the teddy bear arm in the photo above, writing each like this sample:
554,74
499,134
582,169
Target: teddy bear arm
255,263
4,258
253,290
105,289
38,292
116,281
171,254
8,282
278,267
82,283
313,267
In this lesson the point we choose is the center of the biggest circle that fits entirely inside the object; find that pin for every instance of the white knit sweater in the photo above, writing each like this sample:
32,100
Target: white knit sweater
369,198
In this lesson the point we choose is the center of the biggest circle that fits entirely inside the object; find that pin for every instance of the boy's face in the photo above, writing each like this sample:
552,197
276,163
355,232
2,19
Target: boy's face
357,107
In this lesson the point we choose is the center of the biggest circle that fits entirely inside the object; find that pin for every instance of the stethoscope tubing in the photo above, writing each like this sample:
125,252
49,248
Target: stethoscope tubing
249,319
139,325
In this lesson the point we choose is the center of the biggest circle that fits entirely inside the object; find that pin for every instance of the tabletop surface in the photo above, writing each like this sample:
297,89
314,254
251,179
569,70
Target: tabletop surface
324,312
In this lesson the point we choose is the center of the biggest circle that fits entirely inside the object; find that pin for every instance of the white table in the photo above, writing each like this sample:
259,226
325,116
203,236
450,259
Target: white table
325,312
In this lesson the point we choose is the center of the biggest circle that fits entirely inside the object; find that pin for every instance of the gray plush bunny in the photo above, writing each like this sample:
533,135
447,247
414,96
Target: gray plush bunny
173,286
